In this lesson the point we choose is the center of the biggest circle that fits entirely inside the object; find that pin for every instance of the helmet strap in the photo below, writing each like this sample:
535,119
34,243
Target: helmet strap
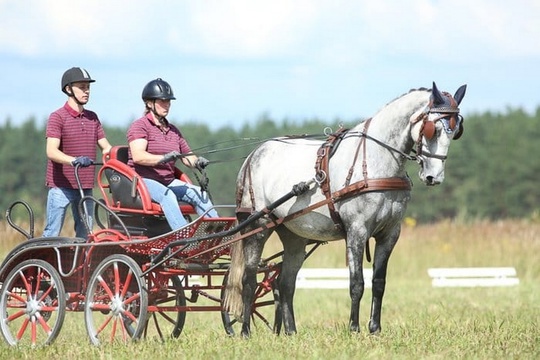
71,93
160,118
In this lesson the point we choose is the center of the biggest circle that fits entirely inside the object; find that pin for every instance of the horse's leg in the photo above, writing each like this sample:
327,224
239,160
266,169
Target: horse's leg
383,248
294,252
355,253
253,247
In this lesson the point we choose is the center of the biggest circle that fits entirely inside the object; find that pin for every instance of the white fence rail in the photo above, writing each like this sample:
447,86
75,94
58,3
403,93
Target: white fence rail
338,278
328,278
473,277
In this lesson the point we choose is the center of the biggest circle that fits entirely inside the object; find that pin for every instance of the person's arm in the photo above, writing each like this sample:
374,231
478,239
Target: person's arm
140,155
104,145
55,154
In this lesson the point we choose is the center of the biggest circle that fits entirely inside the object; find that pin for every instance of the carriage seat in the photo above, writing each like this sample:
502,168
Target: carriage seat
124,190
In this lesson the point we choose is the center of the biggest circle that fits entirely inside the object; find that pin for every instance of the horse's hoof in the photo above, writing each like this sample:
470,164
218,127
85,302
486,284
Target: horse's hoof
374,329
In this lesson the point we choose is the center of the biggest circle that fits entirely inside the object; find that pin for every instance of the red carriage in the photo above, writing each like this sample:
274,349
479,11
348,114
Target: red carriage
131,278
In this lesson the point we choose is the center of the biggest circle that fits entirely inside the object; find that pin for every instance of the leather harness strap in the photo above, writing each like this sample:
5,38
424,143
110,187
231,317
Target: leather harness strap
321,171
321,176
359,187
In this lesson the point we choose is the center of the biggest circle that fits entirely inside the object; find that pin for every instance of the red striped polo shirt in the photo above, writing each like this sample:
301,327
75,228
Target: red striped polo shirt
159,143
78,134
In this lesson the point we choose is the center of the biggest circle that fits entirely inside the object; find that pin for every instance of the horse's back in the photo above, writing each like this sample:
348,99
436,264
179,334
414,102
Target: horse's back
275,166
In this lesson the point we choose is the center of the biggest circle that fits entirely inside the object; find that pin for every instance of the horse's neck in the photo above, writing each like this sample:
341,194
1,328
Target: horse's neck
391,126
395,115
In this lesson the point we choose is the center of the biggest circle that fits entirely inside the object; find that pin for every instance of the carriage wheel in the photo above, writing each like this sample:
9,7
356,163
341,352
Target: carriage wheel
164,320
32,304
264,307
116,301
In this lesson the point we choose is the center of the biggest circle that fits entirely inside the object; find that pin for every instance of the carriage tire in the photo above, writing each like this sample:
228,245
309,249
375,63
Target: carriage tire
262,313
32,307
116,303
164,323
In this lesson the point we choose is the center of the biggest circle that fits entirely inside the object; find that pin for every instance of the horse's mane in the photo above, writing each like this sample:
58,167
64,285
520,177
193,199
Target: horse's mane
408,92
402,95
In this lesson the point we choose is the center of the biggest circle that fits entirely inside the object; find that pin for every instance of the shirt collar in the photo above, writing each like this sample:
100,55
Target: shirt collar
150,118
72,111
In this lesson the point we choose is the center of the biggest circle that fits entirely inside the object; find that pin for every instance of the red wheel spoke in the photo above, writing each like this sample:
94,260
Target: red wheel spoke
127,282
125,335
17,297
100,307
132,298
16,315
46,292
105,287
44,324
113,332
26,283
116,279
130,315
21,331
33,330
104,325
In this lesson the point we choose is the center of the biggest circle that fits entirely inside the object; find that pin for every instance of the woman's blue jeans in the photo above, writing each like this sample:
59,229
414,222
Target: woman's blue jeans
169,196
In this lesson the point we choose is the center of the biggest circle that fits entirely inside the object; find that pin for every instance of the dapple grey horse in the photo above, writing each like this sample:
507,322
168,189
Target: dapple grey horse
359,178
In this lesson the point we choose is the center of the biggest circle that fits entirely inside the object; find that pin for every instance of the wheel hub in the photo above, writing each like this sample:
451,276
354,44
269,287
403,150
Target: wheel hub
32,307
117,307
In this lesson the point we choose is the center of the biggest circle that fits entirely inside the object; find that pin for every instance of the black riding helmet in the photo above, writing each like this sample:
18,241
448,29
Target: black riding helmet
158,89
73,75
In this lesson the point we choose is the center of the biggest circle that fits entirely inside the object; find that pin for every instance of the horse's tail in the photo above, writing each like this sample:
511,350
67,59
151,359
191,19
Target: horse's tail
232,301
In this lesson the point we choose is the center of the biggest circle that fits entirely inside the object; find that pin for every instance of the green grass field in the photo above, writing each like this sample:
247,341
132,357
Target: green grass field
419,321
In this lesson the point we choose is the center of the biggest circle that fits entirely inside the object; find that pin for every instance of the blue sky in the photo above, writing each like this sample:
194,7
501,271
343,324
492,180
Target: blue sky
230,61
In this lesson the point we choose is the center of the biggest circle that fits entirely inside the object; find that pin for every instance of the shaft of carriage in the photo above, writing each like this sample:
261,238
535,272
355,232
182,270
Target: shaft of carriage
297,189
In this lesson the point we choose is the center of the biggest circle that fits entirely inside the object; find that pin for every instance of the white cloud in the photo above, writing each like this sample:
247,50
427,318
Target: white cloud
230,57
258,29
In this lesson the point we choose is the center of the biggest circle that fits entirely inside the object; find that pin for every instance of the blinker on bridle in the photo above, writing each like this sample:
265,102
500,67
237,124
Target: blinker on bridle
448,116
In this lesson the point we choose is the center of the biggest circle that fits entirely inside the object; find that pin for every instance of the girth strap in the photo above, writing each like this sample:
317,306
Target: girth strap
324,154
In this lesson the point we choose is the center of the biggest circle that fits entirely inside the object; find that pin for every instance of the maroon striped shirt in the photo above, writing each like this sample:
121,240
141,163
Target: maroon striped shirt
78,134
159,143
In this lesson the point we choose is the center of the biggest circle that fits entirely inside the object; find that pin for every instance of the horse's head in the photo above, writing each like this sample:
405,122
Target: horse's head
433,128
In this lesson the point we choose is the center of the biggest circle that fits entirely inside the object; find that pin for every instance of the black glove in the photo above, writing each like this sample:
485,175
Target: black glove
201,163
82,161
172,156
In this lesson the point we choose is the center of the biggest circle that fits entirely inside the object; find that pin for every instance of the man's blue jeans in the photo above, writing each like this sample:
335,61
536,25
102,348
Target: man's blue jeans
58,201
169,196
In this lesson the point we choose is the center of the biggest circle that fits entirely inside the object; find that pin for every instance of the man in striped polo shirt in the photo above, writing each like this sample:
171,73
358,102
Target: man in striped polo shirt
73,134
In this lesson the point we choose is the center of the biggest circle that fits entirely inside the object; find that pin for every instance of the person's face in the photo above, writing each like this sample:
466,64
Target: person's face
162,107
81,91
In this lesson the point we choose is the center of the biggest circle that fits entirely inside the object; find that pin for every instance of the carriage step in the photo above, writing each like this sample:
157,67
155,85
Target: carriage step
473,277
328,278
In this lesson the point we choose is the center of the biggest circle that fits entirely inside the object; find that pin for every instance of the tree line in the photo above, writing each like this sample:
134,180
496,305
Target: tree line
491,172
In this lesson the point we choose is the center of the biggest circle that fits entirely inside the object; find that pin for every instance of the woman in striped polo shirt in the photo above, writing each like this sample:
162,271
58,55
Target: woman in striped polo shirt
154,146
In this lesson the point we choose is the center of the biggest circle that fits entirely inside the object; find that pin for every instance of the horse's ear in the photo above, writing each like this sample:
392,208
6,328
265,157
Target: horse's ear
437,96
460,93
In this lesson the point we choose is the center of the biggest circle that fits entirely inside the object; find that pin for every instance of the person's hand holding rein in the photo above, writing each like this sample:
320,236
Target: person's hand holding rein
201,163
171,156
